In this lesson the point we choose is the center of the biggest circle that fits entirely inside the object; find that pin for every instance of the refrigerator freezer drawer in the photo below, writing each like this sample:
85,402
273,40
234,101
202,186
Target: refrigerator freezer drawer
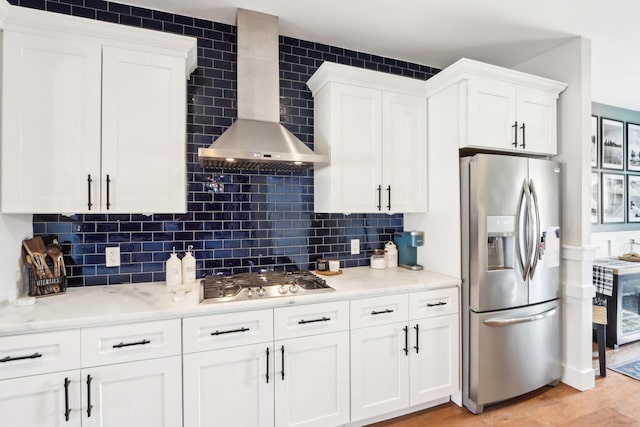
512,352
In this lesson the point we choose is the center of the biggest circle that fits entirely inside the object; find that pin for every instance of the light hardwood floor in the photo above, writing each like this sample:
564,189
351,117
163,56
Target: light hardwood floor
615,401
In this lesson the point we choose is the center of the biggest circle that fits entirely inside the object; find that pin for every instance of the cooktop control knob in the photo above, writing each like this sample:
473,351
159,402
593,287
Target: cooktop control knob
260,292
249,292
282,289
294,288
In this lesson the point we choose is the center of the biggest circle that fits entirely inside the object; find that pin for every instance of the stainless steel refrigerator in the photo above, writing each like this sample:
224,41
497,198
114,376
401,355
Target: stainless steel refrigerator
510,277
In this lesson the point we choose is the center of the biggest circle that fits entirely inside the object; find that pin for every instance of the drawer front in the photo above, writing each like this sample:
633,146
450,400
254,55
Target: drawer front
379,310
126,343
226,330
433,303
32,354
312,319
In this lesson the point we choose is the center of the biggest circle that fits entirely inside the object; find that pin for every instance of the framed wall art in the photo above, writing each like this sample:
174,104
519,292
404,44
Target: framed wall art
633,147
594,141
595,198
611,144
634,198
613,198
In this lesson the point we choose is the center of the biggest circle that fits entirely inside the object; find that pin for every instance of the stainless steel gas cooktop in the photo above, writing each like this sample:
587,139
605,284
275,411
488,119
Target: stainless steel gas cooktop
270,284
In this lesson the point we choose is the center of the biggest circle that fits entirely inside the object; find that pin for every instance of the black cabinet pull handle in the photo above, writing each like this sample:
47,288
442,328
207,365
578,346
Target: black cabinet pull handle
108,188
282,355
267,365
375,313
406,340
417,346
67,410
89,180
379,197
515,133
128,344
322,319
389,195
89,405
11,359
436,304
232,331
523,132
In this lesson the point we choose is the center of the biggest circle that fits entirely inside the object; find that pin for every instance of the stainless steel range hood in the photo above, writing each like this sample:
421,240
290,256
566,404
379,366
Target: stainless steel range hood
256,140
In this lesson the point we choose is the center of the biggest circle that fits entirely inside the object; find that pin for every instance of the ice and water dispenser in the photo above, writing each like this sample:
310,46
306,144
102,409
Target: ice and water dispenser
500,241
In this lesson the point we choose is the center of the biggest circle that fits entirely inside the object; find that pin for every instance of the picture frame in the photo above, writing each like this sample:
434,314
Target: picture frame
595,198
611,144
633,147
633,185
594,141
613,198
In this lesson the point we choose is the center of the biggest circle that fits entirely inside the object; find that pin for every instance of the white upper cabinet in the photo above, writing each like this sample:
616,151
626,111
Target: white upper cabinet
372,128
94,116
500,109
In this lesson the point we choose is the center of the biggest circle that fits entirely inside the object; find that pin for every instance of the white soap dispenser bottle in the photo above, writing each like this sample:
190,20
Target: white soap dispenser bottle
174,270
188,267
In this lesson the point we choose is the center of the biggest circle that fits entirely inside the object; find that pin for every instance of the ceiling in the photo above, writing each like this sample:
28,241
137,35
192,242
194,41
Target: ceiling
438,32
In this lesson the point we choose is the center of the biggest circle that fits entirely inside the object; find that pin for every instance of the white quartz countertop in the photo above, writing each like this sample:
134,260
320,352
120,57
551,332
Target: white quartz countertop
100,305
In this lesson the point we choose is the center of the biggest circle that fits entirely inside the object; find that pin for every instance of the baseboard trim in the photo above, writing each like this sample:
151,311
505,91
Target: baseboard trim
580,380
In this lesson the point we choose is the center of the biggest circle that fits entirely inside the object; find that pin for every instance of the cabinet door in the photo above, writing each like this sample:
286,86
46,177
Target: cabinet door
404,153
233,386
379,370
355,149
40,400
143,132
50,124
435,363
143,394
312,380
491,114
537,111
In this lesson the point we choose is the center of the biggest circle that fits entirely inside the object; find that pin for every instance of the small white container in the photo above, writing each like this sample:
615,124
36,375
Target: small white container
173,268
391,255
377,260
188,267
334,265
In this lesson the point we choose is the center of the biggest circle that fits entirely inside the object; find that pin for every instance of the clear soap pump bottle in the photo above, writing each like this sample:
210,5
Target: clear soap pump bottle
188,267
174,270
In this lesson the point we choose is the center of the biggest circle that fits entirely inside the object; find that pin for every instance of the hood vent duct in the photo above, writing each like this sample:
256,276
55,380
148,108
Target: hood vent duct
256,140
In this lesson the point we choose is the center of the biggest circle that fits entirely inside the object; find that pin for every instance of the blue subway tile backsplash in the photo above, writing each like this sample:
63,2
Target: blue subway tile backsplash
236,221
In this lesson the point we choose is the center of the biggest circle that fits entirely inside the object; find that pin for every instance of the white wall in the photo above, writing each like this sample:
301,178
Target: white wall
571,63
13,229
614,243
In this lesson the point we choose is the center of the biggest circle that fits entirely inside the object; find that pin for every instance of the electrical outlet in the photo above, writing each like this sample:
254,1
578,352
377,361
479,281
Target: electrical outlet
355,246
112,256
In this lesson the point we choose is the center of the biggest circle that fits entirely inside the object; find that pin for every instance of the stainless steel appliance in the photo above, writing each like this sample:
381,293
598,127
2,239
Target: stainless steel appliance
511,277
407,243
269,284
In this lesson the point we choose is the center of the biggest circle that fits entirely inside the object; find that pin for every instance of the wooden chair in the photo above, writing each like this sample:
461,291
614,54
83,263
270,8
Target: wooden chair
599,323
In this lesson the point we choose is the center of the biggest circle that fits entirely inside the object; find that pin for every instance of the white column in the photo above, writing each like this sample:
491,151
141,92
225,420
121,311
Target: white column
13,229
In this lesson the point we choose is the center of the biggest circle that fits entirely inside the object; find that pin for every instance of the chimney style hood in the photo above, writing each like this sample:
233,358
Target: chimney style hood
256,140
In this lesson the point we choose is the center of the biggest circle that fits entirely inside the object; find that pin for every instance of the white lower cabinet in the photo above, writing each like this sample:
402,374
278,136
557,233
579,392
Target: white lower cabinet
312,380
398,365
41,400
146,393
230,387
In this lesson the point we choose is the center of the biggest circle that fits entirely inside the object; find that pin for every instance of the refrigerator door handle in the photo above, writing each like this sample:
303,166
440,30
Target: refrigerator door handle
536,231
514,320
520,234
530,230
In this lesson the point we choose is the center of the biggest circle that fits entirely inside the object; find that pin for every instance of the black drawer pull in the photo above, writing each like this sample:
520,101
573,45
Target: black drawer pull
436,304
406,340
267,365
282,360
323,319
232,331
417,346
11,359
128,344
388,310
